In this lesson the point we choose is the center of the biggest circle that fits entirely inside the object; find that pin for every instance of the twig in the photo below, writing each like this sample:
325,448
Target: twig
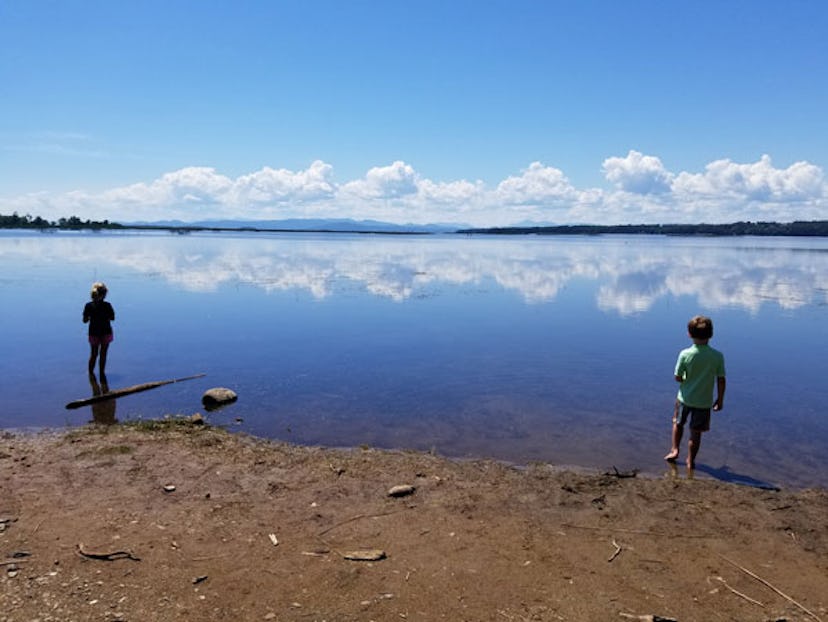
108,557
12,562
639,532
775,589
34,531
617,551
209,557
353,518
738,593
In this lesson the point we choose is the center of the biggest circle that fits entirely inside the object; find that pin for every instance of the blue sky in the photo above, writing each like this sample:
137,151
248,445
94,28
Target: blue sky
487,113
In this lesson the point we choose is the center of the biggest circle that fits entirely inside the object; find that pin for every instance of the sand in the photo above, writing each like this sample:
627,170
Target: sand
176,521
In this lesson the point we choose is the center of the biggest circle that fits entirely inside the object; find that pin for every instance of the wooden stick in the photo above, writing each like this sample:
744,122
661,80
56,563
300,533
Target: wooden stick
738,593
617,551
13,562
775,589
111,395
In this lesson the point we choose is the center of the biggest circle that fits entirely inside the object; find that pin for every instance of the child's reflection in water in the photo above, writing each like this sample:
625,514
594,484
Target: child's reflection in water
103,412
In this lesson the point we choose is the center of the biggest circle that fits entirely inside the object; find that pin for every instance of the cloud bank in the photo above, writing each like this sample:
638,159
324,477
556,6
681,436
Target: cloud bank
640,189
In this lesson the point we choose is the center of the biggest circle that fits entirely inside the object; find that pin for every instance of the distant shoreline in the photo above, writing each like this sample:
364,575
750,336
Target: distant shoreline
816,228
813,228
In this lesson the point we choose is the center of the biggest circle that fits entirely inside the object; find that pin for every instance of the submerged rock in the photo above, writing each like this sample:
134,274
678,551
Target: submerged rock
217,397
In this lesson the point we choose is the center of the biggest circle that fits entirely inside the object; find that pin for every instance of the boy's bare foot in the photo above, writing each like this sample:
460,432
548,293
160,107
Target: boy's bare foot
672,456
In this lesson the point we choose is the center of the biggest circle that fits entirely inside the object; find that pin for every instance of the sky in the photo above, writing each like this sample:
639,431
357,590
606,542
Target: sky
476,113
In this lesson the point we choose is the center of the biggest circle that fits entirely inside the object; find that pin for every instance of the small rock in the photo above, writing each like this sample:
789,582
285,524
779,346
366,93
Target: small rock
218,397
199,579
197,419
365,555
402,490
169,488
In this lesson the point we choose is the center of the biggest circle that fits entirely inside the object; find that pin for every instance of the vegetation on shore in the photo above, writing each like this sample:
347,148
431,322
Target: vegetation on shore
797,228
15,221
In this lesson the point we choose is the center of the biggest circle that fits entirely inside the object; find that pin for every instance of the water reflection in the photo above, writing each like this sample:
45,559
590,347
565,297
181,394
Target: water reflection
534,348
633,273
103,413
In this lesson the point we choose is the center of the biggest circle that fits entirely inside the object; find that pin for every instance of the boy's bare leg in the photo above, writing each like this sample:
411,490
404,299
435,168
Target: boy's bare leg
693,447
676,440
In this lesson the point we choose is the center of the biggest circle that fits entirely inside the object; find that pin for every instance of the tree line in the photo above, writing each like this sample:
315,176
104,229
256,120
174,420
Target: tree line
797,228
27,221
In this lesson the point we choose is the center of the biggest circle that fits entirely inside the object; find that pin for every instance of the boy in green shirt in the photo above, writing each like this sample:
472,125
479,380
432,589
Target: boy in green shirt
698,368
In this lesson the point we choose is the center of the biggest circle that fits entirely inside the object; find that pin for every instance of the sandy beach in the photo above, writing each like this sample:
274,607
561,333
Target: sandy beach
177,521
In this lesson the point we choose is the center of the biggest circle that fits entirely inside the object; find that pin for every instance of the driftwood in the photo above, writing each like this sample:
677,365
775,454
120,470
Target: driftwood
137,388
108,557
767,584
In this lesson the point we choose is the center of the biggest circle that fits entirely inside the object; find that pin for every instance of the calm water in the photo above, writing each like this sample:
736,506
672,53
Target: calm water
557,349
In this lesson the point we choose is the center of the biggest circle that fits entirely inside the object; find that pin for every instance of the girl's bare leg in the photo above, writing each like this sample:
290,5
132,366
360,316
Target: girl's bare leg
104,350
93,355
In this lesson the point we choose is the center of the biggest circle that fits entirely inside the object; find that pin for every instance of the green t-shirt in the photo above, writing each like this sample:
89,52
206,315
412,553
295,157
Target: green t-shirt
699,365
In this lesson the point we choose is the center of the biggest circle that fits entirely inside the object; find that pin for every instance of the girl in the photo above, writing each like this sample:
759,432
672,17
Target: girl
98,314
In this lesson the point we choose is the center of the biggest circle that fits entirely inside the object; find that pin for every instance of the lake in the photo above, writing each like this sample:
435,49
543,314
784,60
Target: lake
557,349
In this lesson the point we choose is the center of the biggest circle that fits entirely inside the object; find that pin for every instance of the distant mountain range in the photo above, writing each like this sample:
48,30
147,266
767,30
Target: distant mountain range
305,224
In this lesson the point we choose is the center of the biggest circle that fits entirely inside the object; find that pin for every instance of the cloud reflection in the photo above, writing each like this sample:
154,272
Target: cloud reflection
629,274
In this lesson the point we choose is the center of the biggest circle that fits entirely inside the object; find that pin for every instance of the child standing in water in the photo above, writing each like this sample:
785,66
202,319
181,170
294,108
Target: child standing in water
698,368
98,314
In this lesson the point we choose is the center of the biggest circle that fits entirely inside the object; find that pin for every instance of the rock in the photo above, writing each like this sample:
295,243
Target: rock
218,397
402,490
365,555
197,419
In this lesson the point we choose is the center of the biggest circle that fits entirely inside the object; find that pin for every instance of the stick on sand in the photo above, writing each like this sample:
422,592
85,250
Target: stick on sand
137,388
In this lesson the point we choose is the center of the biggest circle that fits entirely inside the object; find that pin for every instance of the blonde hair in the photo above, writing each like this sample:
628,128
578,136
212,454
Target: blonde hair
98,291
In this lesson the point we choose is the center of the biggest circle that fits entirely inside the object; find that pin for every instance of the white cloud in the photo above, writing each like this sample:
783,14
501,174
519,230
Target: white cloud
384,182
638,173
644,192
538,185
270,185
757,181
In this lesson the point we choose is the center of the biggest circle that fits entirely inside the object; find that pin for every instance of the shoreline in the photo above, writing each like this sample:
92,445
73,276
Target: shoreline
230,526
676,470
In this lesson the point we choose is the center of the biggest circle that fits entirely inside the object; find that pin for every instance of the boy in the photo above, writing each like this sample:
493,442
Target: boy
697,368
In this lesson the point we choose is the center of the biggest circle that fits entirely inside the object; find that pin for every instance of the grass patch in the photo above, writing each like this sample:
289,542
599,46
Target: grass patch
181,423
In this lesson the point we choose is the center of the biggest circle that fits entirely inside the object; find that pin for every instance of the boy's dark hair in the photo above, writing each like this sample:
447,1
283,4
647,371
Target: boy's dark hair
700,327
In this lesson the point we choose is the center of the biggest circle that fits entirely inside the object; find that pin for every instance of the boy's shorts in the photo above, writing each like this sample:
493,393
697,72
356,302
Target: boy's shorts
99,340
699,417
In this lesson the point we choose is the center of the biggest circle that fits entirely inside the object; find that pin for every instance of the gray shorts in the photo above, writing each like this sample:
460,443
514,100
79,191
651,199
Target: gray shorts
699,417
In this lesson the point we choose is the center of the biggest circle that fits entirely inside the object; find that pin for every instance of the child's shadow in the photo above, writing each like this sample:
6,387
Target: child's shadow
724,474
